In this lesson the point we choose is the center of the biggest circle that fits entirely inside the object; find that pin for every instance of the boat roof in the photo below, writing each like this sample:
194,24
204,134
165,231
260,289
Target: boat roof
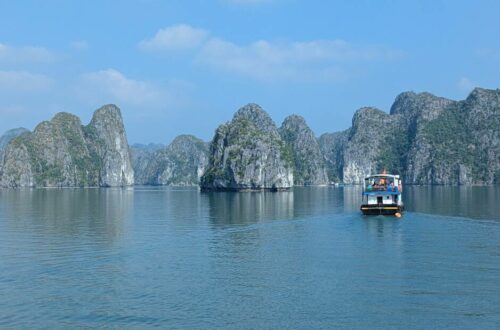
382,176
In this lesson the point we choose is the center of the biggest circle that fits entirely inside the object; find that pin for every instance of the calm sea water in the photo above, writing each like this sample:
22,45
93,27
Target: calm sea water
181,259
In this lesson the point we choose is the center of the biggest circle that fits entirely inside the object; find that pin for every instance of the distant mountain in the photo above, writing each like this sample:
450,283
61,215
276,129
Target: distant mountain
11,134
6,138
248,153
181,163
150,147
425,138
140,156
309,165
64,153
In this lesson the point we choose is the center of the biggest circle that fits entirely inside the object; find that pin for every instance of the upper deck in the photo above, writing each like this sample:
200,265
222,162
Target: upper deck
382,184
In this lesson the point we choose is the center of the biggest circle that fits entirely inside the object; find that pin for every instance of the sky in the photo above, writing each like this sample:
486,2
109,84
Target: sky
184,67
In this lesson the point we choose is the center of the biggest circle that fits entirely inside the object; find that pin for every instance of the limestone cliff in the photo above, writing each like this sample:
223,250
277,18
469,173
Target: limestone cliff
460,144
248,153
425,138
111,145
332,146
368,141
63,153
309,165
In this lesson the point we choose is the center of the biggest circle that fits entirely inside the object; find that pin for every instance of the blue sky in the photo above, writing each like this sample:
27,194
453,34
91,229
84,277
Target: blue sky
177,67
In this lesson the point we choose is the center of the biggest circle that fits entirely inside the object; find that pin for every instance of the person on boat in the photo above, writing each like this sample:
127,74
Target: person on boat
390,187
382,184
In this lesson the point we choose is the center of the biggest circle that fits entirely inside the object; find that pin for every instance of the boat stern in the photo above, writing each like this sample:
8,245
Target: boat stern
386,209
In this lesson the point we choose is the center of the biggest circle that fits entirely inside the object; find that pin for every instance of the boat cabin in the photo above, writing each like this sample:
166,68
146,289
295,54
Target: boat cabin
382,194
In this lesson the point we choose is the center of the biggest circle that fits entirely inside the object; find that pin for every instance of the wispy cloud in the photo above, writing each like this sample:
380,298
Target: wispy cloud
116,87
112,86
27,54
267,60
177,37
296,60
22,81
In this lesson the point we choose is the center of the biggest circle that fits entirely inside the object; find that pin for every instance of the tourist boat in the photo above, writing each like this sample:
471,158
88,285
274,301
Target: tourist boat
382,195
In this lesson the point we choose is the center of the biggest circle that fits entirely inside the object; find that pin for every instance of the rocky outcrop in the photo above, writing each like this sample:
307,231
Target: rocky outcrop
368,142
425,138
63,153
414,112
248,153
181,163
332,146
483,128
110,142
309,165
460,145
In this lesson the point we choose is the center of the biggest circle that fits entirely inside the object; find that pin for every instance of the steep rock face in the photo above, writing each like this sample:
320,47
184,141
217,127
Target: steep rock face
63,153
416,111
368,142
332,146
181,163
461,145
54,155
483,123
248,153
309,166
426,139
112,147
424,106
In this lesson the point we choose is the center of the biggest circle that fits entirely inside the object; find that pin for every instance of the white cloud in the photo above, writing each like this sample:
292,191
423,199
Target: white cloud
22,81
79,45
28,54
465,84
177,37
315,60
117,88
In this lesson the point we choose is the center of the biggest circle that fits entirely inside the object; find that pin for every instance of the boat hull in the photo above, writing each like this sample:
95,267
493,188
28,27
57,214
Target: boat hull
387,209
